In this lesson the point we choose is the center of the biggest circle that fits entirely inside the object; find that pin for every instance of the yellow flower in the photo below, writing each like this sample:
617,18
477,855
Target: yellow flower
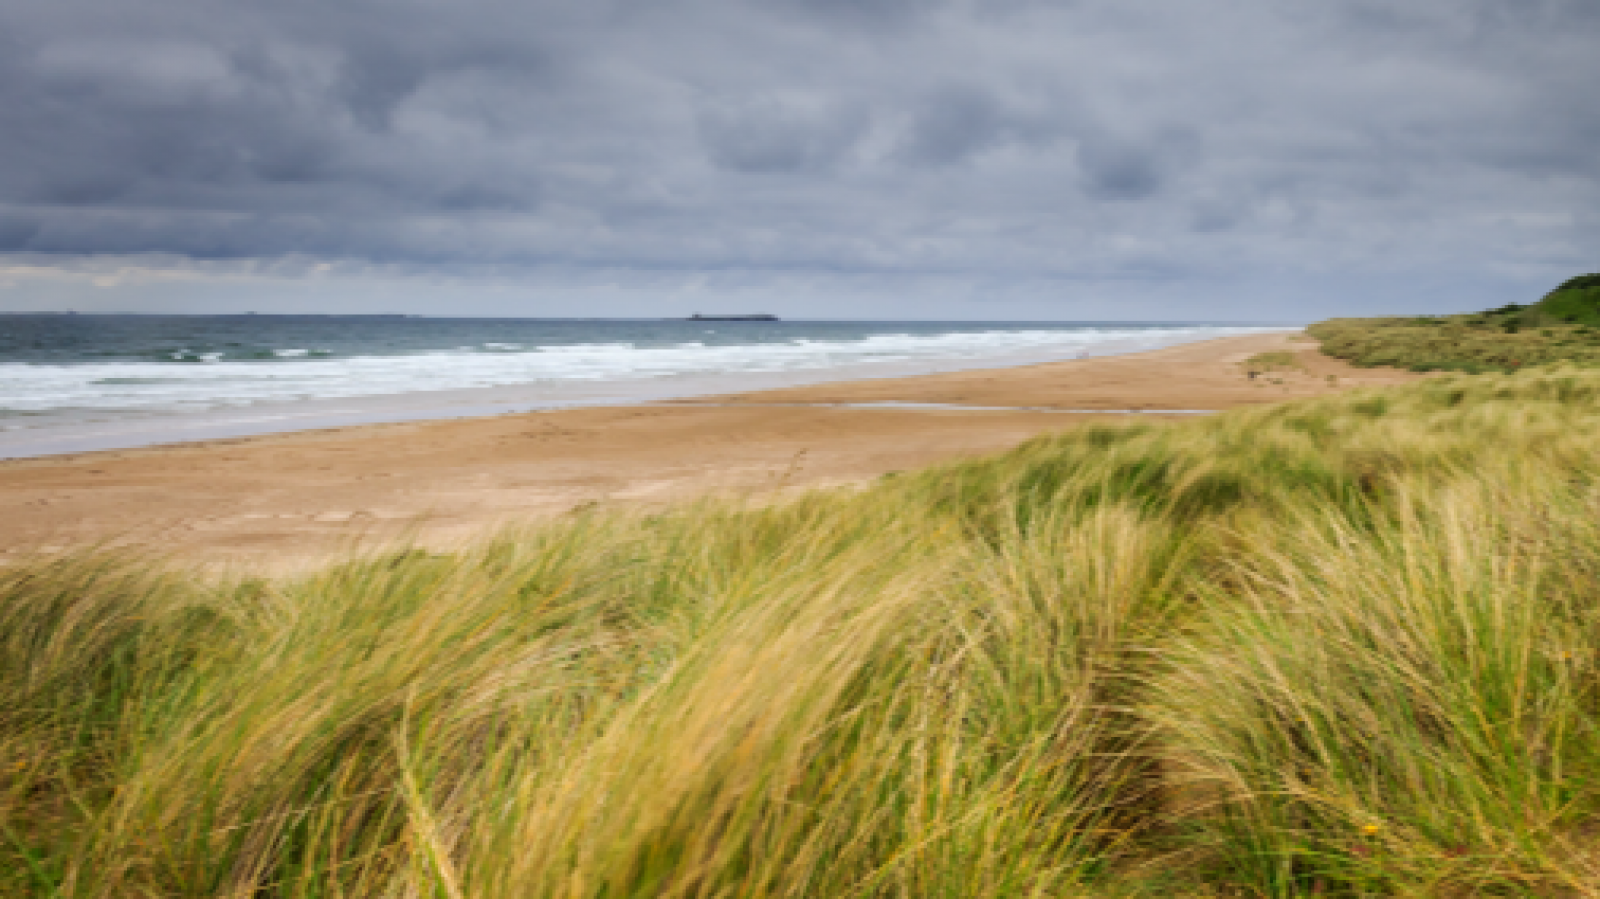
1370,829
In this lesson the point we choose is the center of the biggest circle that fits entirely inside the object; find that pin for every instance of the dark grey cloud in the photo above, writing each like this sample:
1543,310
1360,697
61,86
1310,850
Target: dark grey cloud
779,134
954,124
1076,143
872,14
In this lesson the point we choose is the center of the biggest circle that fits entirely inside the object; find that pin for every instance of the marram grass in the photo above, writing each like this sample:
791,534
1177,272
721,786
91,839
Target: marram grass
1347,646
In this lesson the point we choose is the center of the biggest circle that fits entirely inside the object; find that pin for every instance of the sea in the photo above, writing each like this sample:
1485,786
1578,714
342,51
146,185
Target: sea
72,383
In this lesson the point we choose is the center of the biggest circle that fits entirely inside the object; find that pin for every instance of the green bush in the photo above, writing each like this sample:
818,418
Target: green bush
1578,304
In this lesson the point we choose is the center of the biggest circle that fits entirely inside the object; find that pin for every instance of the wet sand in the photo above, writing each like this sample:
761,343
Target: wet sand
286,501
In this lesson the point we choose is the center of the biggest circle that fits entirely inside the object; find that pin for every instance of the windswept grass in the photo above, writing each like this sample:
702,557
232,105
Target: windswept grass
1563,328
1278,360
1347,646
1464,343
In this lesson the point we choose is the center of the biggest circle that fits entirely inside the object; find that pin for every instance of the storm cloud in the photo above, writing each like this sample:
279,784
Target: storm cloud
1024,154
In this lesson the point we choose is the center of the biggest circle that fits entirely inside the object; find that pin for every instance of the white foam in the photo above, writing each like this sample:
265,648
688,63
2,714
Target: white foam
192,356
299,374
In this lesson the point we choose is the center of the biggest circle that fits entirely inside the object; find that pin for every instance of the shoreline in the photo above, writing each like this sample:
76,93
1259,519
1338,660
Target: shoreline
289,500
54,432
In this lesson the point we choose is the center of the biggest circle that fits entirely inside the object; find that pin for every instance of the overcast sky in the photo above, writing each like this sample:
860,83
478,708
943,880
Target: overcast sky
1008,159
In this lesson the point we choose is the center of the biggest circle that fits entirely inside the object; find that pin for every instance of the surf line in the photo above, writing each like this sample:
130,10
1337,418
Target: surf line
893,405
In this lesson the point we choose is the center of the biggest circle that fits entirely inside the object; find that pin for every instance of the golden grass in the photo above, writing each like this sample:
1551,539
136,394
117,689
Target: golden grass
1481,342
1277,360
1347,645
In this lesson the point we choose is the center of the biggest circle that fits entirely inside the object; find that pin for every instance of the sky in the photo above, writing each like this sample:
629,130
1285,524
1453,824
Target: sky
1280,160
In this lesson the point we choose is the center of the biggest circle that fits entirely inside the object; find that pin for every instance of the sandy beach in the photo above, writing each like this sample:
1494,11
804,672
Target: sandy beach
285,501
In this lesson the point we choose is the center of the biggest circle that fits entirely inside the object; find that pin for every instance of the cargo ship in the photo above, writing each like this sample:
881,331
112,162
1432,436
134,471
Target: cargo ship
753,317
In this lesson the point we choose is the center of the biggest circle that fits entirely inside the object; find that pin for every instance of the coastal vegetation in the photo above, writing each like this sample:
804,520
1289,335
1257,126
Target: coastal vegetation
1342,646
1275,361
1563,327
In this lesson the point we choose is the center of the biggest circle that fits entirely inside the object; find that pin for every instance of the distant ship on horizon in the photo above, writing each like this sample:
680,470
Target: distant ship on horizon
752,317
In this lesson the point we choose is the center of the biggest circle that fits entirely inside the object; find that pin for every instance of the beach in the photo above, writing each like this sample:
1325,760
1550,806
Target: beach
288,501
1019,674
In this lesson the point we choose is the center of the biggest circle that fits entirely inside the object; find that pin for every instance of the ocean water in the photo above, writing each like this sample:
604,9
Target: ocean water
74,382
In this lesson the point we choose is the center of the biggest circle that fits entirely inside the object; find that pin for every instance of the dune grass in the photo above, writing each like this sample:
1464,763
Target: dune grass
1277,360
1563,328
1484,342
1344,646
